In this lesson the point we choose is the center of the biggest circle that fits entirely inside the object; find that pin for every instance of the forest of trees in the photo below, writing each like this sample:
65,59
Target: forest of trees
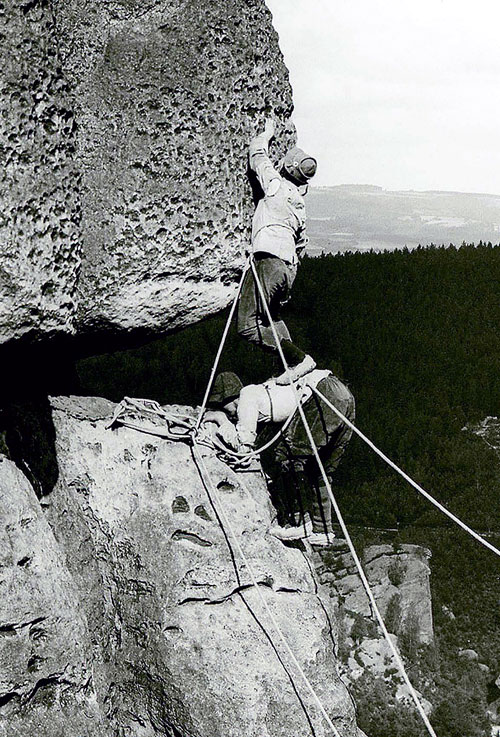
415,334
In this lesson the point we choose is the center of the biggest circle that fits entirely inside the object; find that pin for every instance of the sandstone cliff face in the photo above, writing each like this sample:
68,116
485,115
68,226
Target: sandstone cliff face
125,199
150,625
399,578
39,214
46,685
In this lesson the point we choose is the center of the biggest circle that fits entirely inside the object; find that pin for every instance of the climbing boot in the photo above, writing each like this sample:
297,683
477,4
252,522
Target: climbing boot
293,532
320,539
297,372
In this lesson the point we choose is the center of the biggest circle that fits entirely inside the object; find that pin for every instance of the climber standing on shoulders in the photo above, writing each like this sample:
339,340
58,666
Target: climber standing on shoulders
278,240
239,412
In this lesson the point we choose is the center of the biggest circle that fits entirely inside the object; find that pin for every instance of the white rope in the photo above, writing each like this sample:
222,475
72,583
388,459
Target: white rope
221,345
151,406
160,432
422,491
257,451
132,406
207,480
345,531
186,425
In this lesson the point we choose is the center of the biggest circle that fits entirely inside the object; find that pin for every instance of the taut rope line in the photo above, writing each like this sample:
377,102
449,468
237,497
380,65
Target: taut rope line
221,345
422,491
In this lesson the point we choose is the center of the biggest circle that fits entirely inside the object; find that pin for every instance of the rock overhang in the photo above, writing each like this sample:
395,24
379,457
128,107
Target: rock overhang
127,205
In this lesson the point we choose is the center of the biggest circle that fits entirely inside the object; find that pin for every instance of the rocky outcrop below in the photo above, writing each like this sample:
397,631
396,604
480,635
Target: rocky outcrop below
399,578
494,706
126,609
125,198
489,431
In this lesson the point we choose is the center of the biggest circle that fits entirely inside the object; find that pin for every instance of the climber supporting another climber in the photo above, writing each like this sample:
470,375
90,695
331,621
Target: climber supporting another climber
237,411
278,239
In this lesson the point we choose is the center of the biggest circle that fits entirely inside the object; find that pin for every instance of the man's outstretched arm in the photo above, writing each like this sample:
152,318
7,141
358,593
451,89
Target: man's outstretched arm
260,162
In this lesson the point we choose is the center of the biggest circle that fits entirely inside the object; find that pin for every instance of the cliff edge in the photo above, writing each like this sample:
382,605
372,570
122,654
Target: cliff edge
153,626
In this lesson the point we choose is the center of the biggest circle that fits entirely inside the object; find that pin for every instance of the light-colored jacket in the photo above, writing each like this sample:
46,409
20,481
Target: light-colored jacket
270,402
280,216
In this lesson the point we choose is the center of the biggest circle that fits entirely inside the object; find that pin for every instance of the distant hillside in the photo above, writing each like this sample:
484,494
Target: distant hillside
364,217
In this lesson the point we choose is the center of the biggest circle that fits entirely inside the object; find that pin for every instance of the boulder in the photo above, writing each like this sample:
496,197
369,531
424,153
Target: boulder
403,695
46,672
181,640
374,656
489,430
448,612
126,204
468,654
396,575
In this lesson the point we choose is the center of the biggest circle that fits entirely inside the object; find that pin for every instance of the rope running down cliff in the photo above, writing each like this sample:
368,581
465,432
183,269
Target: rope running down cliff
345,531
205,476
188,432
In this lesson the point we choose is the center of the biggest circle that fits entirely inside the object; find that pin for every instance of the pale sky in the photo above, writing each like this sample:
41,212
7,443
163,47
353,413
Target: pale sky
401,94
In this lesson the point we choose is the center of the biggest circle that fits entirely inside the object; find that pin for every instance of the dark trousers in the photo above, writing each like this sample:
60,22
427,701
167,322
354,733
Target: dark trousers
276,278
301,479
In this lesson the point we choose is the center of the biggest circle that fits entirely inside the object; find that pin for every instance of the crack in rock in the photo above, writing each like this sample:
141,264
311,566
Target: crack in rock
192,538
13,627
221,599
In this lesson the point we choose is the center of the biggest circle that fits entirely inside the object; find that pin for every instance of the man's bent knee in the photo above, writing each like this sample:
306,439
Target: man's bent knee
259,335
250,333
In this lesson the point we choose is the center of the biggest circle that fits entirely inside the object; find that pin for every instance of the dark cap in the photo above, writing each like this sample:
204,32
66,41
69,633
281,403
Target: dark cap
299,165
226,387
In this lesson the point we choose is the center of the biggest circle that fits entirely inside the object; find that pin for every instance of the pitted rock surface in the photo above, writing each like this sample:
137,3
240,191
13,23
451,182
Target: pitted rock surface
39,186
182,643
46,672
126,201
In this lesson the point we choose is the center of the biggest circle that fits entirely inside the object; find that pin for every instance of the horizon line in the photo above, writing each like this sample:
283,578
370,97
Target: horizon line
415,191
